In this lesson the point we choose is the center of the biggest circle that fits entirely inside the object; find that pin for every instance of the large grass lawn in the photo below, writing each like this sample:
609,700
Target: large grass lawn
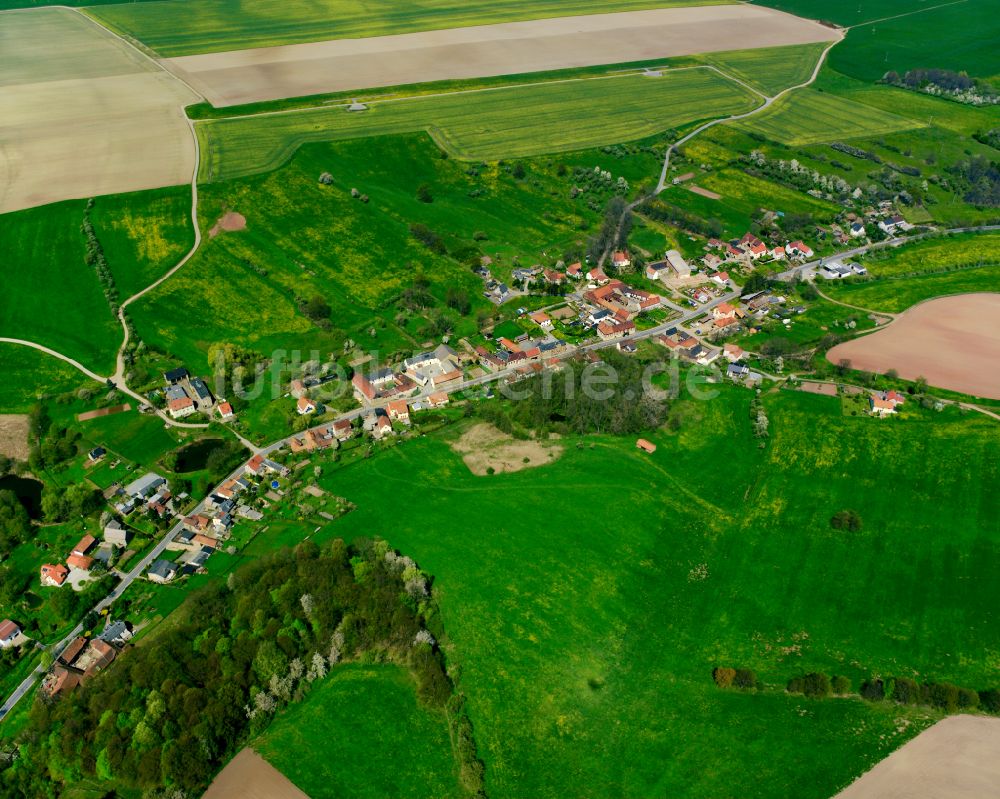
361,733
177,28
769,69
895,294
507,122
587,601
29,374
50,295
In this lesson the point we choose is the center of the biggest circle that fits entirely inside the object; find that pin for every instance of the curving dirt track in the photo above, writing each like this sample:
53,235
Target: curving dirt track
953,342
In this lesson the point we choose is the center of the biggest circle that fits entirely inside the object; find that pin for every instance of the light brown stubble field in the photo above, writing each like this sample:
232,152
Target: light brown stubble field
82,114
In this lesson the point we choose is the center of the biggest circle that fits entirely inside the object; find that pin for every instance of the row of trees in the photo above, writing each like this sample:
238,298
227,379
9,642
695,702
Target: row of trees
940,695
94,257
170,712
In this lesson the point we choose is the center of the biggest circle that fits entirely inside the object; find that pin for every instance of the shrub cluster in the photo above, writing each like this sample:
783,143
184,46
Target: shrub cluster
727,677
940,695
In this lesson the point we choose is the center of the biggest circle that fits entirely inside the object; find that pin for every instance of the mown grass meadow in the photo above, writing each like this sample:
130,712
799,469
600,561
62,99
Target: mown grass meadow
377,741
586,645
509,122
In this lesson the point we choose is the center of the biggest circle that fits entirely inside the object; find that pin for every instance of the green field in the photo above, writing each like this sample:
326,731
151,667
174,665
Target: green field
29,374
143,234
178,28
50,295
133,436
376,740
586,643
809,117
769,69
507,122
898,294
936,255
937,38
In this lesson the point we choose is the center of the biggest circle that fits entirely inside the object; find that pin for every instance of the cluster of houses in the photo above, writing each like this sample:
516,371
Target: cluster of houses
149,489
884,403
837,270
85,657
186,395
750,249
523,353
439,368
685,346
673,265
615,306
149,492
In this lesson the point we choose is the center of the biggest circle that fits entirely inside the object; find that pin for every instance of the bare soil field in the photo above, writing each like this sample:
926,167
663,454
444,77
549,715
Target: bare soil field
483,447
271,73
83,114
96,414
14,435
711,195
957,758
249,776
228,222
953,342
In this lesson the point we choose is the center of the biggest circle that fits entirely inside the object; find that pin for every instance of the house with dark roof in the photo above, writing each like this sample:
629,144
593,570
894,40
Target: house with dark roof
175,376
162,571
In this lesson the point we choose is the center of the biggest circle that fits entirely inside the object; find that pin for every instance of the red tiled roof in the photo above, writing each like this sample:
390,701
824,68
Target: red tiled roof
57,573
79,562
8,629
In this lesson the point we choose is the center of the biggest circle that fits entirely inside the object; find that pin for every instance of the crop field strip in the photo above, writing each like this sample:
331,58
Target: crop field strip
811,117
507,122
179,28
274,73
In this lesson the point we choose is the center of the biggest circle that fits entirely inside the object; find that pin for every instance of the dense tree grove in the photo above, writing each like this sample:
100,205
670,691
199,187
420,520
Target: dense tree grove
583,398
169,711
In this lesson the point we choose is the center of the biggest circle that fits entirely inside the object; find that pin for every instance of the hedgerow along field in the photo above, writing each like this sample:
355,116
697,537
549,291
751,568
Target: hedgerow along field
377,740
53,297
179,28
506,123
586,648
